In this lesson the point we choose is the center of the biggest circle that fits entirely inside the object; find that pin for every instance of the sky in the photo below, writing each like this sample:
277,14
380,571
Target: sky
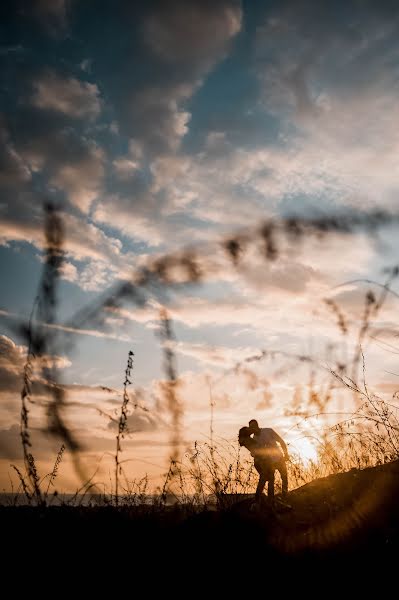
160,126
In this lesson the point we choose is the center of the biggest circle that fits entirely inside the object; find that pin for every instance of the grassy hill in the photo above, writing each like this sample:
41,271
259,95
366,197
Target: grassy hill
353,514
343,512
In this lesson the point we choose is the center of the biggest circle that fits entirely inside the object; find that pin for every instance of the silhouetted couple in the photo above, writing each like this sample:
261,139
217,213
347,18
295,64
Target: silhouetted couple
269,452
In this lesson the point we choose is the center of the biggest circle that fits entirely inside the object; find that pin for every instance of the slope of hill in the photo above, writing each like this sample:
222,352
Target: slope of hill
356,510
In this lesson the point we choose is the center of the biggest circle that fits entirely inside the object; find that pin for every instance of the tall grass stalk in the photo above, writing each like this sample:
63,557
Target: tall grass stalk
122,423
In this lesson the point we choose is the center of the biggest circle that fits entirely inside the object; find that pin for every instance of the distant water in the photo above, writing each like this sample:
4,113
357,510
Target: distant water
7,499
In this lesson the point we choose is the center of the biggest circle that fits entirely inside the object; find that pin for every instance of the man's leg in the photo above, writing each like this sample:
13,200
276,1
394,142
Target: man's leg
282,468
262,480
270,486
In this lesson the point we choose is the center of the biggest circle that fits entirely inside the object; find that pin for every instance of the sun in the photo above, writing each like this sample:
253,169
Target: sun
305,449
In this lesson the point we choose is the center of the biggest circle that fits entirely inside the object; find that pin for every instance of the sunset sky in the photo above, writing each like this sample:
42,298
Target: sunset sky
154,126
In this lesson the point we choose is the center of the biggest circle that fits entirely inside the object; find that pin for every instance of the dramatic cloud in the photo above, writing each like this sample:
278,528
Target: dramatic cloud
81,180
183,41
333,82
192,32
69,96
71,162
121,213
74,164
152,110
12,360
156,118
83,240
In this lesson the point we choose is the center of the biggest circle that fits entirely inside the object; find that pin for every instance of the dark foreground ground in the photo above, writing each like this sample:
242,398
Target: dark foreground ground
349,519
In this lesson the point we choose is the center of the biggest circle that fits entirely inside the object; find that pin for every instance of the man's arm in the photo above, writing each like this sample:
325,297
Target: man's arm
282,444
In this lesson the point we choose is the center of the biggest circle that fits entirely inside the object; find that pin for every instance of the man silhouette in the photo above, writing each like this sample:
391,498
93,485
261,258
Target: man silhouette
272,451
261,462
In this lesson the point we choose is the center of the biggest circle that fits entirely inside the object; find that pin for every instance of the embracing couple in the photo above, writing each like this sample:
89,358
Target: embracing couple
269,452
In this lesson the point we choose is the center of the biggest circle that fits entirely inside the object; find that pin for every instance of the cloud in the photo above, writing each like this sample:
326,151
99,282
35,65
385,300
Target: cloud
139,422
333,88
187,38
73,165
10,443
233,391
150,108
301,277
81,180
125,167
13,169
222,356
12,358
335,145
192,32
67,95
88,404
83,240
133,218
181,43
12,361
73,330
69,272
155,116
68,160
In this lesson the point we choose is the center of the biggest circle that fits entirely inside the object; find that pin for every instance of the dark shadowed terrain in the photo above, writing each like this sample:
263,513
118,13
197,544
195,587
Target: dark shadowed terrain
348,517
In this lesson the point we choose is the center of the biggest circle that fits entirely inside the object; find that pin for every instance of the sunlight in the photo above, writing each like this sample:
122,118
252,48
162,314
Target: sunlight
305,449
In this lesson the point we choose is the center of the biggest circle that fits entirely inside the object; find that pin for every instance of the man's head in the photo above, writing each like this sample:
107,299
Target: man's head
253,426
